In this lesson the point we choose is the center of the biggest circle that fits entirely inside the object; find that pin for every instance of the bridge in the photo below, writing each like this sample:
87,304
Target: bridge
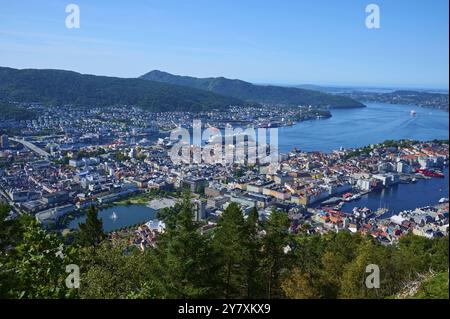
32,147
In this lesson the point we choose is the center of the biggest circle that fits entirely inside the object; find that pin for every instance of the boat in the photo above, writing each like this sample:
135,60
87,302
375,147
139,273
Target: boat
430,173
352,197
443,200
332,200
339,206
347,195
381,211
114,216
413,113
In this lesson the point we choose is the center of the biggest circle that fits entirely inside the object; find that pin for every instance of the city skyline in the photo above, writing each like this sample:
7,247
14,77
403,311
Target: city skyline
298,43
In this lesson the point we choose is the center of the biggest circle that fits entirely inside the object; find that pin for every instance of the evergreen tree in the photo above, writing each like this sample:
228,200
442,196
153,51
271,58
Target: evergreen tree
185,261
275,256
252,254
229,242
341,249
91,231
308,251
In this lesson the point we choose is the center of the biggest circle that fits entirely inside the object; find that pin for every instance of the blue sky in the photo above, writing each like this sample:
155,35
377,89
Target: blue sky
262,41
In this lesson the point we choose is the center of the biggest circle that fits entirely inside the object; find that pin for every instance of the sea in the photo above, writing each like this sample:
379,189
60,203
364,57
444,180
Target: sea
347,128
351,128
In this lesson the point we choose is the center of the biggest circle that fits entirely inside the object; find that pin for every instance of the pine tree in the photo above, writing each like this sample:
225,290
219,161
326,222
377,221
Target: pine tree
341,250
275,257
229,243
91,231
308,251
184,259
252,263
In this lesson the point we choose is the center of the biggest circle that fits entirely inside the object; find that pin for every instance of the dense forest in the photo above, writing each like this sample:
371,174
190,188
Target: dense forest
58,87
268,94
241,258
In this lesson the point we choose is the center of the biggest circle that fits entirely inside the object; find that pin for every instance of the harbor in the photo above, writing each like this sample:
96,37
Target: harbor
423,192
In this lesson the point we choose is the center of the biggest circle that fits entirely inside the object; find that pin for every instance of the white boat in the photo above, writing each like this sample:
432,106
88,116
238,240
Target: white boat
443,200
351,198
114,216
413,113
381,211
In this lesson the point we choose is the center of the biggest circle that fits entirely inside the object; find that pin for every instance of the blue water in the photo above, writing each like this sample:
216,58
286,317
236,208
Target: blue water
126,216
363,126
376,123
347,128
404,196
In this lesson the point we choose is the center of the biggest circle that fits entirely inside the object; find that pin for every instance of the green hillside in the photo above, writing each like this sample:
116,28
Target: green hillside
65,87
256,93
435,287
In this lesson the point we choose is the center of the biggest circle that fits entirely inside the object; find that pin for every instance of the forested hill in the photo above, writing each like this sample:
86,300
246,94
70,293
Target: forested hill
67,87
256,93
418,98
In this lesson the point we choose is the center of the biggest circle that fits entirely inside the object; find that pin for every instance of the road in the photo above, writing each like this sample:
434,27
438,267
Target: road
32,147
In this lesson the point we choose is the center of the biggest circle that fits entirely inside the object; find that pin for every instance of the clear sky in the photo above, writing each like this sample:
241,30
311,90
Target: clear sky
263,41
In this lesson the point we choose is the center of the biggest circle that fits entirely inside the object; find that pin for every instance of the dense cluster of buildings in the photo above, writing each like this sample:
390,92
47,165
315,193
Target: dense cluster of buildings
95,157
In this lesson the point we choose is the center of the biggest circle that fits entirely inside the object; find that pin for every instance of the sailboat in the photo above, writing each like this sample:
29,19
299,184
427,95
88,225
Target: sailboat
381,210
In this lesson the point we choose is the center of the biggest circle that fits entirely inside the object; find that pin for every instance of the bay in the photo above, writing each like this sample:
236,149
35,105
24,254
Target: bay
350,128
400,197
347,128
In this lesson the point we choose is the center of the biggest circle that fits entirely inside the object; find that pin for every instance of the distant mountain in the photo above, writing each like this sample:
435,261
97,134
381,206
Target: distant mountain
407,97
314,87
58,87
267,94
